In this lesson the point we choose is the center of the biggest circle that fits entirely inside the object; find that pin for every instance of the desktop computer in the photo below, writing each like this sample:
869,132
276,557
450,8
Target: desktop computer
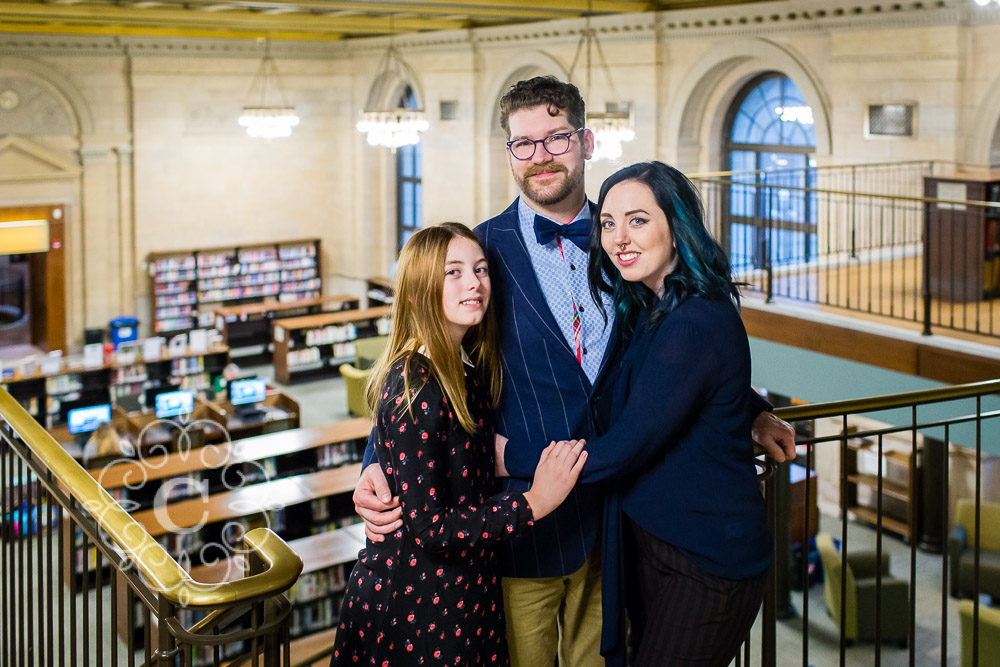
83,421
174,404
245,396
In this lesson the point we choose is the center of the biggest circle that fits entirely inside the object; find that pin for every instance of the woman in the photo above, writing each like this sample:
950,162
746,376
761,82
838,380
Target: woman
685,510
430,593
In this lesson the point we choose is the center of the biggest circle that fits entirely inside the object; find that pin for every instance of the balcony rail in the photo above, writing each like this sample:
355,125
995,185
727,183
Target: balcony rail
842,446
82,583
932,262
905,178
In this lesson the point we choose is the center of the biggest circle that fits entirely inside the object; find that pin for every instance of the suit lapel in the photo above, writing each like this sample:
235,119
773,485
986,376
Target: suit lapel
519,276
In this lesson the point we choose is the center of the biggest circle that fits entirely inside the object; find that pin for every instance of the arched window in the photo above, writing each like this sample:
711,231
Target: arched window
409,181
769,136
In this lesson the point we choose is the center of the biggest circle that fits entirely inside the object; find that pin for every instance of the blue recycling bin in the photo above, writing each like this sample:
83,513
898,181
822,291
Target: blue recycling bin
123,330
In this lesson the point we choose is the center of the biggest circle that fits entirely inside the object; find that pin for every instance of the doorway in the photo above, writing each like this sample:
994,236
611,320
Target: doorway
33,288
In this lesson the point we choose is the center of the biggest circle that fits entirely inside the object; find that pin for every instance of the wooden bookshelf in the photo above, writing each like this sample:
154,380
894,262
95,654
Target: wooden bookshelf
246,328
962,243
380,292
187,285
900,478
320,343
254,448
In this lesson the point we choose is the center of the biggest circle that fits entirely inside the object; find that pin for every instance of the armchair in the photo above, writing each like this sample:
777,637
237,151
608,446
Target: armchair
961,554
989,632
861,571
356,381
368,350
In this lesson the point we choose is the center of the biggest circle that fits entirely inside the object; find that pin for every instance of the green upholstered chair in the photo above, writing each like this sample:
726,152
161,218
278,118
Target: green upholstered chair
989,633
961,554
367,351
862,568
356,382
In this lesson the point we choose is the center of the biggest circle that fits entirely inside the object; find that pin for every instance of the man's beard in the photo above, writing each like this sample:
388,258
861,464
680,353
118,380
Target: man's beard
573,180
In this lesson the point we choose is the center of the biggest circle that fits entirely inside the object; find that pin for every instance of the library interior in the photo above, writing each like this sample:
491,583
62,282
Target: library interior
202,205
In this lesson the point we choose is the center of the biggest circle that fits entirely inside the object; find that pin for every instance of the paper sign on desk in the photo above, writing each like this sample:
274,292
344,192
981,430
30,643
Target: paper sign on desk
152,348
93,355
52,362
199,340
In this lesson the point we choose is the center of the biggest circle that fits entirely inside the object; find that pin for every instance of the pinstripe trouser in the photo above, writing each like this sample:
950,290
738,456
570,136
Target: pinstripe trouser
680,614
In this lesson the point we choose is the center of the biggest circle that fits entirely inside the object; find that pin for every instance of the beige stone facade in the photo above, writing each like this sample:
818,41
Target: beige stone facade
138,137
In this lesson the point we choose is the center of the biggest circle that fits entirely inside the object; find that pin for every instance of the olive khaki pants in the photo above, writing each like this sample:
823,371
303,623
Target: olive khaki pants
555,614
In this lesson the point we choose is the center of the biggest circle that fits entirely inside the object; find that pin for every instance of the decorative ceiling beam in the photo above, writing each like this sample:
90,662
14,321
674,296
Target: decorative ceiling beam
389,8
121,31
88,16
575,7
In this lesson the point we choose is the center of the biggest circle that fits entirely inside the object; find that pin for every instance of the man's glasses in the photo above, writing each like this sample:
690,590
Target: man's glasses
555,144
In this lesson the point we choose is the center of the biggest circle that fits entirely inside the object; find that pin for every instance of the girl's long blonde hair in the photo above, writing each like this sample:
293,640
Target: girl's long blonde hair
418,320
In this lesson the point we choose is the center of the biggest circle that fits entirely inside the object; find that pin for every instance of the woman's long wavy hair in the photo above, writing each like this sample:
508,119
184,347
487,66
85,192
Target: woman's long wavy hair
702,267
419,321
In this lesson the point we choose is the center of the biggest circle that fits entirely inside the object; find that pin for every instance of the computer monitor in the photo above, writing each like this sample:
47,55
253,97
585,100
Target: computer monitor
85,420
243,392
174,404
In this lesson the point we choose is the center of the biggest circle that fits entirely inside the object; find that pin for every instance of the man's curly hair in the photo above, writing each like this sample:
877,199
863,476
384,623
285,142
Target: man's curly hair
556,95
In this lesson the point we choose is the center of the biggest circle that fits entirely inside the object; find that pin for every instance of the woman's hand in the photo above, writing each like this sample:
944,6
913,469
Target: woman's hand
557,472
499,446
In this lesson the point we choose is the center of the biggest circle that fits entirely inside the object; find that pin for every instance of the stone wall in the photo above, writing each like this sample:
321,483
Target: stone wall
141,141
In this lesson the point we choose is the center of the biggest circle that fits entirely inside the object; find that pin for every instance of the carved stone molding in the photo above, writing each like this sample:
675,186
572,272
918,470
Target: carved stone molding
24,160
29,108
94,154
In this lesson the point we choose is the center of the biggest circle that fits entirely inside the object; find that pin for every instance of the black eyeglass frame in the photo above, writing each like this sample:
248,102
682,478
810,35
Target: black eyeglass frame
535,142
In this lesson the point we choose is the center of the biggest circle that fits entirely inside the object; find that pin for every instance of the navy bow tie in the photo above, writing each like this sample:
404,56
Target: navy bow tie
578,232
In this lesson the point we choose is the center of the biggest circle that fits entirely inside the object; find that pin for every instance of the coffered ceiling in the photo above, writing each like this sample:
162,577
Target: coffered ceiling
299,19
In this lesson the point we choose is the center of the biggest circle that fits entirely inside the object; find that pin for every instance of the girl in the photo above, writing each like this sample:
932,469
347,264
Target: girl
430,594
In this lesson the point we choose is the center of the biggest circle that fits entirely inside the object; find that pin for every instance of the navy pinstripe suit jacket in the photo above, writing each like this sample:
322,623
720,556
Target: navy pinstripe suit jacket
545,397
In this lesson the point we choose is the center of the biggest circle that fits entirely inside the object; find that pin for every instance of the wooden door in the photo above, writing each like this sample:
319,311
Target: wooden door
47,277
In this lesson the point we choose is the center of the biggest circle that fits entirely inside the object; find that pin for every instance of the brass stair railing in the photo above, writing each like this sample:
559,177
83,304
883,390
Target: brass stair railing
82,583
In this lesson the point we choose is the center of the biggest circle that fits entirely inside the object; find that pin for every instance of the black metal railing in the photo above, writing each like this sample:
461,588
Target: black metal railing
932,262
903,178
82,583
889,472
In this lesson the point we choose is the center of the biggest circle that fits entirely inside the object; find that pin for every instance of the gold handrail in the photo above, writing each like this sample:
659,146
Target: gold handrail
163,573
904,400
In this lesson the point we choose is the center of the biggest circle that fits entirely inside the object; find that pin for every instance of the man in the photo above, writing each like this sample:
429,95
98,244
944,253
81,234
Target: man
554,342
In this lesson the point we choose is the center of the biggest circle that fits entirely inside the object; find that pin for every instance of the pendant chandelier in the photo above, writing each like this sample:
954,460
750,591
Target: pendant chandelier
613,126
390,126
267,114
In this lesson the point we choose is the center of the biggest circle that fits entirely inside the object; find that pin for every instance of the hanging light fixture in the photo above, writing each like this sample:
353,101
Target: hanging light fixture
267,114
613,126
395,126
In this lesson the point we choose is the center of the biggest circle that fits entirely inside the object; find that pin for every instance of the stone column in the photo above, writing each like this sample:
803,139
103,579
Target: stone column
132,287
99,235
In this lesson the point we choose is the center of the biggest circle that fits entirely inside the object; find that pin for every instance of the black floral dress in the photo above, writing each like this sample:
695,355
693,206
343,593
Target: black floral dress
430,593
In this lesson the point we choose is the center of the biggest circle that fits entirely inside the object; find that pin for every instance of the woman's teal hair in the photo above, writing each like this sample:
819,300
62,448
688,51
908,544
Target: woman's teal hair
702,267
